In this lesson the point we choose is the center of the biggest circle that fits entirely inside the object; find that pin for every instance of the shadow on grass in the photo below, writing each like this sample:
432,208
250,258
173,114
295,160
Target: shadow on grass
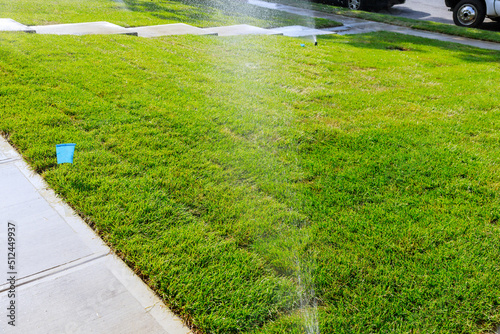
211,12
403,43
167,11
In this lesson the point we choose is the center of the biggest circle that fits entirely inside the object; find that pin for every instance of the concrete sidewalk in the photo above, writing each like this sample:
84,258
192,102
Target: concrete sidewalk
66,280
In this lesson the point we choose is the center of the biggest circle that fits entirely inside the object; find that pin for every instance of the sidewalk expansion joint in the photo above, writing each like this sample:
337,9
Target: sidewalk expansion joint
55,270
8,160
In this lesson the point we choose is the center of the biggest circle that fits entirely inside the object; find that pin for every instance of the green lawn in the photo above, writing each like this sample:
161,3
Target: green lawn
131,13
250,179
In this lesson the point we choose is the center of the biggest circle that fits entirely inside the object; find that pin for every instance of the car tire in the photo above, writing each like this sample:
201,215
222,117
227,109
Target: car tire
355,4
469,13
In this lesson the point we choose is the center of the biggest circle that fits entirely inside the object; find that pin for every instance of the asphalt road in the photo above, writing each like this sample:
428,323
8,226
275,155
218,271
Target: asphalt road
430,10
433,10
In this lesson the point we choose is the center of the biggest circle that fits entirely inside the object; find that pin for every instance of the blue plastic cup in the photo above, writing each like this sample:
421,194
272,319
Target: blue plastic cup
65,153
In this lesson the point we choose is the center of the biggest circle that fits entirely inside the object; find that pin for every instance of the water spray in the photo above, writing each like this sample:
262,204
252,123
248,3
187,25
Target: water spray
308,39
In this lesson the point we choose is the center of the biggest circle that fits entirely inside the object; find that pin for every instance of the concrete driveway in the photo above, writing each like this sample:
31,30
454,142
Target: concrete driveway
432,10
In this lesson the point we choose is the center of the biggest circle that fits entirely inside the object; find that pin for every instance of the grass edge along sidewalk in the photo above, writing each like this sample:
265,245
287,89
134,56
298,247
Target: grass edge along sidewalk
54,255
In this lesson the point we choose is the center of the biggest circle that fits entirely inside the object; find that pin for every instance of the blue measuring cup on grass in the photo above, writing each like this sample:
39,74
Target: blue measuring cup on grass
65,153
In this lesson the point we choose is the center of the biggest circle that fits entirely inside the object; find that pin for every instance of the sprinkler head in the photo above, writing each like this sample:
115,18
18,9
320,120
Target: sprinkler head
316,43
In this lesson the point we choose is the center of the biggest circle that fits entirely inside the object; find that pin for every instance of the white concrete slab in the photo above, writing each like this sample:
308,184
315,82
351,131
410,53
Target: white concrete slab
366,27
169,29
300,31
15,189
86,28
240,29
85,299
6,150
11,25
44,240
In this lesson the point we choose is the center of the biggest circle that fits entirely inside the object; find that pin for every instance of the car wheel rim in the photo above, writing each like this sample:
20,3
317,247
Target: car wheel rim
467,15
353,4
